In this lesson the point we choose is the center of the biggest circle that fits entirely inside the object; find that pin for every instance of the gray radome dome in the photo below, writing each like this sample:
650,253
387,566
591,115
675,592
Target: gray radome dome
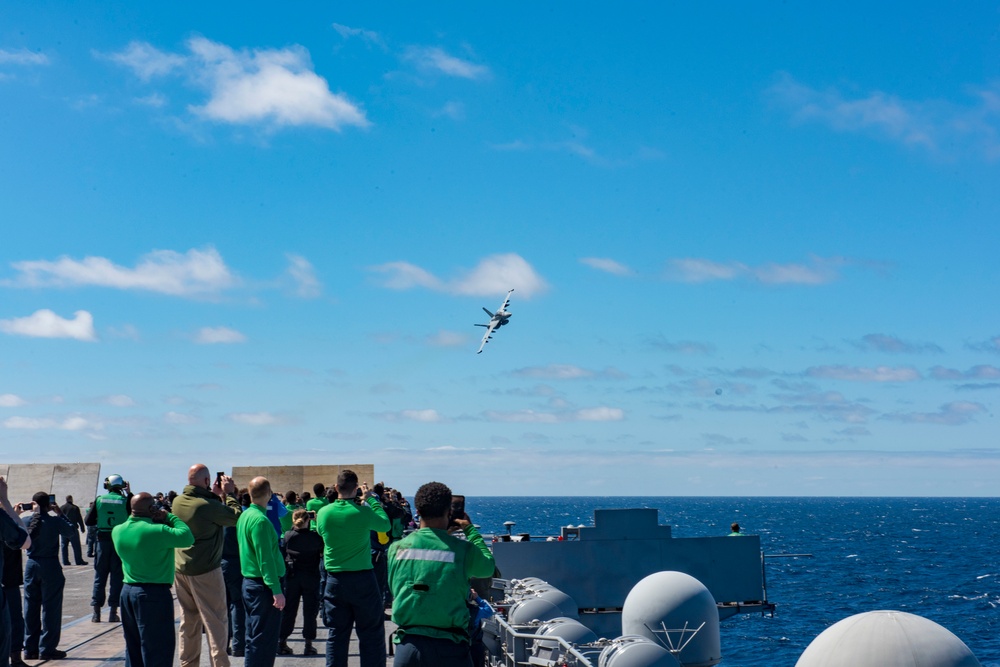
887,639
666,607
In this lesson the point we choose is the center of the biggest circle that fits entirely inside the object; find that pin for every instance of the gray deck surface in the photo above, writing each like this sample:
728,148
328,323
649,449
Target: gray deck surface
93,644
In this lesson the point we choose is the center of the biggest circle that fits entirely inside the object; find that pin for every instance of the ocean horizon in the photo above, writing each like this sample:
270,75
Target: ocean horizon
930,556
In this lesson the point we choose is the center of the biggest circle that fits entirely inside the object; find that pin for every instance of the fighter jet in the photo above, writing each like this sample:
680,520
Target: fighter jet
497,320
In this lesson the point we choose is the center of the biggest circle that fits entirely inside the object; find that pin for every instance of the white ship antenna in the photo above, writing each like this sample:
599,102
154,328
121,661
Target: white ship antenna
683,637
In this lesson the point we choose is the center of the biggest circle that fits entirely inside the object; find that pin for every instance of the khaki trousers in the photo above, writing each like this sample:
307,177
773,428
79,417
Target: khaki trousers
202,600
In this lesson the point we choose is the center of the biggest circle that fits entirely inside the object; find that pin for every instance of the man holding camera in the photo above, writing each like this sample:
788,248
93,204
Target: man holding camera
352,594
44,581
201,588
146,543
110,510
429,572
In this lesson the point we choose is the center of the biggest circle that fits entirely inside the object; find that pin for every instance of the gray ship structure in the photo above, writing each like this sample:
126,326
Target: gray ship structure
626,593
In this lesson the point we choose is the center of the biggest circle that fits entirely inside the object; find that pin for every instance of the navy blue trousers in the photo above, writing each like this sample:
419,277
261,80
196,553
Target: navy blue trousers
5,645
43,598
148,625
74,541
12,598
421,651
234,598
106,566
353,599
263,624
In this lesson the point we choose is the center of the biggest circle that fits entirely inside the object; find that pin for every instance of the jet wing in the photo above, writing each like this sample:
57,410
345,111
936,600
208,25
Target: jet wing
486,336
506,302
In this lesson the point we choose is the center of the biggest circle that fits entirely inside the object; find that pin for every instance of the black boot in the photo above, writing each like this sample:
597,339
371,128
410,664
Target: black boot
113,616
16,660
285,649
309,649
96,618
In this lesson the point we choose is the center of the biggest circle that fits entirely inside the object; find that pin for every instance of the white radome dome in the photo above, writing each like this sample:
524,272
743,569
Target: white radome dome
887,639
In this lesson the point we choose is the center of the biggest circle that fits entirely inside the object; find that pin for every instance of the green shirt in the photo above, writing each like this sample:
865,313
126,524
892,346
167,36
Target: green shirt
206,515
345,527
429,573
147,548
260,557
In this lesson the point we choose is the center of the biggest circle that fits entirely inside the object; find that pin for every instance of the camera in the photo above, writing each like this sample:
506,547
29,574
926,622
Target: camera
311,516
457,507
52,499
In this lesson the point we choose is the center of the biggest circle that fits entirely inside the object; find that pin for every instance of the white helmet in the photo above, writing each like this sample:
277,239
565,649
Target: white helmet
112,482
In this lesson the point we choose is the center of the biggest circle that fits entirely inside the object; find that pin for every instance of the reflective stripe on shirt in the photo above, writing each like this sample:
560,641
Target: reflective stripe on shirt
437,555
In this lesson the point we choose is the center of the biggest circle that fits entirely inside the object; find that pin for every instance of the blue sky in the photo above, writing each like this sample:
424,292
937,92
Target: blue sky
753,247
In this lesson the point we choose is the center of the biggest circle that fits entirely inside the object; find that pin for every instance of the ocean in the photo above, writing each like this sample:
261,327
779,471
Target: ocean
934,557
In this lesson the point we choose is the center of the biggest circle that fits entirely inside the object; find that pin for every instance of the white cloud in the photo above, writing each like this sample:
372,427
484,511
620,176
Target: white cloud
255,418
932,125
861,374
448,339
555,372
369,36
273,87
126,331
437,60
11,401
567,372
155,100
426,416
950,414
686,347
492,276
194,273
452,109
818,271
218,335
180,418
596,414
303,274
980,372
70,423
46,324
268,85
893,345
119,401
989,345
600,414
146,61
22,57
607,265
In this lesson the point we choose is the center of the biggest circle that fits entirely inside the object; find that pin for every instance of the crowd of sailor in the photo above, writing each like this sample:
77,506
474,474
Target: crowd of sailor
241,560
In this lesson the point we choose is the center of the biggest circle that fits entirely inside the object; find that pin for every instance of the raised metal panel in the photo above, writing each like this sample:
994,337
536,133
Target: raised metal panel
599,569
79,480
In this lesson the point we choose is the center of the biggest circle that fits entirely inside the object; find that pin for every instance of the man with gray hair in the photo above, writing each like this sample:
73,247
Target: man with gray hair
207,508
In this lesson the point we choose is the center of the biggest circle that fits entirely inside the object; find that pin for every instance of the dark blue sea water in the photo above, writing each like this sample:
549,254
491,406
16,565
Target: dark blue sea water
935,557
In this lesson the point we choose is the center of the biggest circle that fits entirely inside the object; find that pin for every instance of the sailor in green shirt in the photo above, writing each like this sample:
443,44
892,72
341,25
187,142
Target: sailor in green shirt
263,567
429,572
351,596
145,543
